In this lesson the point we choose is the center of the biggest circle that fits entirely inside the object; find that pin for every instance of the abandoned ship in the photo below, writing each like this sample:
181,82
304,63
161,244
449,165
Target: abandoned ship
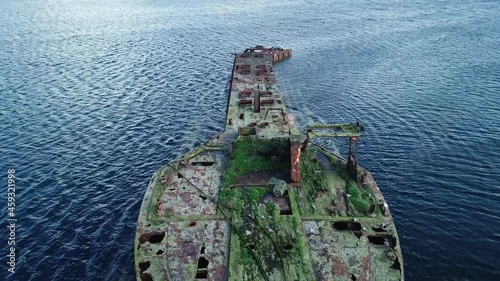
263,201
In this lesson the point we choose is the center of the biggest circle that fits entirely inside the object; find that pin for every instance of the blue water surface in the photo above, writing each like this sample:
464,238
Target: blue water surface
96,95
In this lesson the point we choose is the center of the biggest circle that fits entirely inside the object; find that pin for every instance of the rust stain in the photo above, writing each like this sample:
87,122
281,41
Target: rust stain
365,268
338,267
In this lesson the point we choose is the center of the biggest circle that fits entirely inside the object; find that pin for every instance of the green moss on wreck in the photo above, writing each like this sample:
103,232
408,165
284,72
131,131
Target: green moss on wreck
266,243
250,155
311,171
340,167
312,182
158,189
253,195
246,160
245,257
359,198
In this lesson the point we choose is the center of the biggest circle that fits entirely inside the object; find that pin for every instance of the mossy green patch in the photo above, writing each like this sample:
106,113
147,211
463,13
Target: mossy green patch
360,204
158,190
245,257
359,198
253,195
312,181
353,190
251,155
311,171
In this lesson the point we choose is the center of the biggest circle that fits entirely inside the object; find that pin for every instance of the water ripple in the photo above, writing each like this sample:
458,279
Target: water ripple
96,96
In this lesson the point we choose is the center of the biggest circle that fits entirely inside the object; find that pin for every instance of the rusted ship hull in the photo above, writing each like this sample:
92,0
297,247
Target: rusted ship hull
262,201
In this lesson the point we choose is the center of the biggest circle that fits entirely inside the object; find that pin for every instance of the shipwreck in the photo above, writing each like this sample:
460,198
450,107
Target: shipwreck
263,201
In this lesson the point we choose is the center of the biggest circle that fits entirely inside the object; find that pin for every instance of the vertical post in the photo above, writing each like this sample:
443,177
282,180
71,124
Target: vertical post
352,159
349,152
306,142
295,158
256,101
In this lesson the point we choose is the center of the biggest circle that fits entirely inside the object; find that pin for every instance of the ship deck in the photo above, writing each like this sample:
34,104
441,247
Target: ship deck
251,205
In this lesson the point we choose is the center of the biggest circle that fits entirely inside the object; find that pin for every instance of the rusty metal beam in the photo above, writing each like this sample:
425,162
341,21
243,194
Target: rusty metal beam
256,101
295,158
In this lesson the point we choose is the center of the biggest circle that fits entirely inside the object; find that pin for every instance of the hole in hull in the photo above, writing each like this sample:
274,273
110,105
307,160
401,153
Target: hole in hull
380,229
202,270
202,274
146,277
204,164
371,210
143,266
203,263
387,240
347,225
152,237
396,265
286,212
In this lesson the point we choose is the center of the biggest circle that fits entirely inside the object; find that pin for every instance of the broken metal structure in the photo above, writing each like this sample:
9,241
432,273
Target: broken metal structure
350,130
260,201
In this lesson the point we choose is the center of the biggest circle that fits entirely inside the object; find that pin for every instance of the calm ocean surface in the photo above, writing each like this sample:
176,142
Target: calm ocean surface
96,95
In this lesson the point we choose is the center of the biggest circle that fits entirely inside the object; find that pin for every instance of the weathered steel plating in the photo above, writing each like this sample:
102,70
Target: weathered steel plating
213,213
